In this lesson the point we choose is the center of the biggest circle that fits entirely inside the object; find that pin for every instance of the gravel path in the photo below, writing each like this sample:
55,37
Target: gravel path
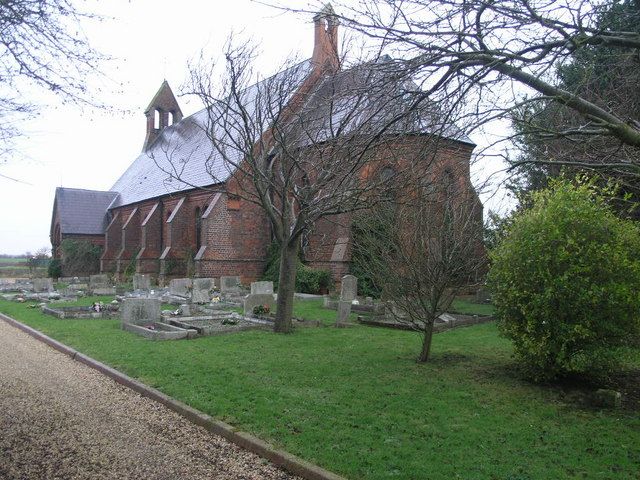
62,420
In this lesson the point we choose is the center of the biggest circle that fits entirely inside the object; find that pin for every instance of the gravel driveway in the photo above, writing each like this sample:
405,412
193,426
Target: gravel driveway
62,420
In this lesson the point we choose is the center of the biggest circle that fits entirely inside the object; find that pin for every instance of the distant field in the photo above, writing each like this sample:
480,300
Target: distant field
12,261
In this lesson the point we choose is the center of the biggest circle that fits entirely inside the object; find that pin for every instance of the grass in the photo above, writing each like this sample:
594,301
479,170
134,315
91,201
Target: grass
13,260
466,307
354,401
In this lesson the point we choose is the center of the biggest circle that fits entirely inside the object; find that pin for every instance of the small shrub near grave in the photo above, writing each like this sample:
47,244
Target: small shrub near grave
54,270
308,280
566,283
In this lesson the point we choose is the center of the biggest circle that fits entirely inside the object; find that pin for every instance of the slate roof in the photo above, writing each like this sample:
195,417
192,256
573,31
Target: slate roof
82,211
182,157
370,97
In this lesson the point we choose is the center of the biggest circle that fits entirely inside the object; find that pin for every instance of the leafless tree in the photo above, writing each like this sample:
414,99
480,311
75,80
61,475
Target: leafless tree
422,251
503,56
41,45
307,144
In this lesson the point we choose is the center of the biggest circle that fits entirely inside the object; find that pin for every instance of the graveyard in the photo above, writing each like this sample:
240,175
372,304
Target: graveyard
349,399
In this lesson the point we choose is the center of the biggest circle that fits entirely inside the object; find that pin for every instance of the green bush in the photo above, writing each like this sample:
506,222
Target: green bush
308,280
566,283
54,270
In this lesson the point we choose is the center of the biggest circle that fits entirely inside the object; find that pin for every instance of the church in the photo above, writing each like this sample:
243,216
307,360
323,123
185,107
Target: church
174,225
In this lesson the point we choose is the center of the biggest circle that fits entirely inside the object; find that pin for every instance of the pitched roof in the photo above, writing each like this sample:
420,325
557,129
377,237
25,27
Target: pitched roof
182,157
370,98
82,211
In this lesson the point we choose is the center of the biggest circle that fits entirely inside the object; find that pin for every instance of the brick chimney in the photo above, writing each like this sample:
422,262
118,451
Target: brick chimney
325,47
162,112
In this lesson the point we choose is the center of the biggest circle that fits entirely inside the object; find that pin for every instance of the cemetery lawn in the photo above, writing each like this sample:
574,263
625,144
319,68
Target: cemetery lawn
354,401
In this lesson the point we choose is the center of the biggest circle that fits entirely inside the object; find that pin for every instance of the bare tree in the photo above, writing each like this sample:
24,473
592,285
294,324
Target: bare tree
41,45
308,143
422,251
503,57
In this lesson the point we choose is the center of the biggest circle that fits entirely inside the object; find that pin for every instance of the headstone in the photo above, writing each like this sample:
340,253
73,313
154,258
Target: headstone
368,301
483,295
180,287
255,299
141,282
607,398
99,281
138,311
42,285
185,310
261,287
202,288
104,291
349,289
344,309
230,284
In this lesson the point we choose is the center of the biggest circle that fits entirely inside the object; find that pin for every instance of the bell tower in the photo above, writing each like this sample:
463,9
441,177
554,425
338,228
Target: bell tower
162,112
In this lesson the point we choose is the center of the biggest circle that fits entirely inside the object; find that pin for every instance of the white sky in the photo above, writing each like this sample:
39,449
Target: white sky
150,40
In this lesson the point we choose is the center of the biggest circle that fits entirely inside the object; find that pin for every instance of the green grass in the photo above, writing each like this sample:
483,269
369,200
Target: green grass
354,401
13,261
469,308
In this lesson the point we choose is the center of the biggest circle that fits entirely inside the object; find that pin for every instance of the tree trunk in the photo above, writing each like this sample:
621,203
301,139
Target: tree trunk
286,287
426,343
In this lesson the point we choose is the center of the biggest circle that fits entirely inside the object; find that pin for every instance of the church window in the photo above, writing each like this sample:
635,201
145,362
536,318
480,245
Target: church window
169,119
156,119
198,229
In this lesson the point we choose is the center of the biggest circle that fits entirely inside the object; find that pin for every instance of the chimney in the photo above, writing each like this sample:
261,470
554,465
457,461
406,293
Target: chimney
325,47
163,111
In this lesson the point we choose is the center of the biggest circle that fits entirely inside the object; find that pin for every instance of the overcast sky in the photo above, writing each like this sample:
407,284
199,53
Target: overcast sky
149,40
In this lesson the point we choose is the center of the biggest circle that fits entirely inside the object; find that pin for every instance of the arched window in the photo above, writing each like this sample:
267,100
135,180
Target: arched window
169,119
156,119
198,229
388,183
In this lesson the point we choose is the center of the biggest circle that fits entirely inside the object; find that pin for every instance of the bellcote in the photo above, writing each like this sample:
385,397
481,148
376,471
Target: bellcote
325,47
163,111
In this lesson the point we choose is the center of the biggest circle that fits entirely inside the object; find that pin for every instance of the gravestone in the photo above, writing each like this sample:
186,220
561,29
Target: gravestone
99,281
255,299
202,288
104,291
261,287
230,284
180,287
42,285
344,309
261,294
141,282
139,311
349,289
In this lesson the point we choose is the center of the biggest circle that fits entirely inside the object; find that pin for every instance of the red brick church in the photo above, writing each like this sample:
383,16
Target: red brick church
161,223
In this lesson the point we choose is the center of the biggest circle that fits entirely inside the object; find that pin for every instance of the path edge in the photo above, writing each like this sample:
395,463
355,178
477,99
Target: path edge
280,458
